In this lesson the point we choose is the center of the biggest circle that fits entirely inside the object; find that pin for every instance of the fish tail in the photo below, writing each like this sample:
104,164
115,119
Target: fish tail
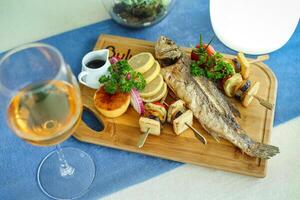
263,151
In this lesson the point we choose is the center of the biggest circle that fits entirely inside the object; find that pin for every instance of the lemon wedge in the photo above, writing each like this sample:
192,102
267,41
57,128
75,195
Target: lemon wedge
141,62
153,87
152,73
159,95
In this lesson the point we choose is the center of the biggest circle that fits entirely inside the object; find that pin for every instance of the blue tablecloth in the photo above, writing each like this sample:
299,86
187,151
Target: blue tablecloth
119,169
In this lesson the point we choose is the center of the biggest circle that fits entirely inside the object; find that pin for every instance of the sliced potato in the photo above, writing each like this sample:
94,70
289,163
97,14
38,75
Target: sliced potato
231,84
249,95
150,125
173,108
179,124
245,66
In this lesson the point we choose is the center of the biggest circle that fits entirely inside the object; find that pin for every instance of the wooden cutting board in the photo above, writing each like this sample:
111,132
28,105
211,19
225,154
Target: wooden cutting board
123,132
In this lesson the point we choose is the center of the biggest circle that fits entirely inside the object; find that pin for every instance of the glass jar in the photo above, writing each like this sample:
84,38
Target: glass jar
138,13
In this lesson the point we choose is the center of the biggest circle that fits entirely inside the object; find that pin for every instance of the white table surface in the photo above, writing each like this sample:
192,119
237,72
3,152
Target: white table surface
23,21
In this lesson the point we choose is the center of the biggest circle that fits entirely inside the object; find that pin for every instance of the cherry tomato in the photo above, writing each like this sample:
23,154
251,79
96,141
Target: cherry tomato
194,56
210,50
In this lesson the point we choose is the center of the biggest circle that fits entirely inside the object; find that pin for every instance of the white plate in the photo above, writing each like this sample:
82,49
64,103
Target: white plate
254,26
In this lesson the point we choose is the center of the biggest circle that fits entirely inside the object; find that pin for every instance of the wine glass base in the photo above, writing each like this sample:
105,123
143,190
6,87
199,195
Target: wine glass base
69,187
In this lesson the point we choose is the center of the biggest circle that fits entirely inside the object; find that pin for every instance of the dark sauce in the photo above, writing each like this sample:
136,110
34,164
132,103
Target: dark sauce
94,64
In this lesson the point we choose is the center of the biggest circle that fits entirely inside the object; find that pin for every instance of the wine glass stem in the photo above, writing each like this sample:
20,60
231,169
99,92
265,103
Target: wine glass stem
65,169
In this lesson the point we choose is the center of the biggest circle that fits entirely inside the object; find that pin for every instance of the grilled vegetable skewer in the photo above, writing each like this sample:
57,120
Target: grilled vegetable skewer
148,126
182,119
246,92
150,123
242,90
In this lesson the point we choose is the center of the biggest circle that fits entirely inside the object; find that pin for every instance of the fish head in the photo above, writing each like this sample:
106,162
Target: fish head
166,51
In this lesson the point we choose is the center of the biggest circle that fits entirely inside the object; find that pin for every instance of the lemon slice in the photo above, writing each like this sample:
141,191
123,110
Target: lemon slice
152,73
159,95
153,87
141,62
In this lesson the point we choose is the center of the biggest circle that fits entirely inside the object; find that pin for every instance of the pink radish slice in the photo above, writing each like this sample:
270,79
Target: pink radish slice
136,101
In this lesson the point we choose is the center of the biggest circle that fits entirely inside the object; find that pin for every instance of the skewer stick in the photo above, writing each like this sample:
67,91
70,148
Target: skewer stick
143,139
197,134
264,103
259,59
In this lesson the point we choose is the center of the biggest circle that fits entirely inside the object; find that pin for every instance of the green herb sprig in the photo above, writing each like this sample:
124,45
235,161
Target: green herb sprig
211,66
122,78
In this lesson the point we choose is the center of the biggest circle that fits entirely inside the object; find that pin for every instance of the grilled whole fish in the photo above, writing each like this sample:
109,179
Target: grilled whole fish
207,103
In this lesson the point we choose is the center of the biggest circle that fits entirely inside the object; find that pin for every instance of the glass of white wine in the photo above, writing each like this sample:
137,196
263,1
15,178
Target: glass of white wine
44,107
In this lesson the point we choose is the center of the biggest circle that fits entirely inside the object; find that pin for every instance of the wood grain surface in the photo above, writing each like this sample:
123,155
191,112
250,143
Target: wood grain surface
123,132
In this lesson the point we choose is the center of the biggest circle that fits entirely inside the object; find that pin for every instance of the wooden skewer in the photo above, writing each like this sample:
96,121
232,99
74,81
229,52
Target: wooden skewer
264,103
143,139
259,59
197,134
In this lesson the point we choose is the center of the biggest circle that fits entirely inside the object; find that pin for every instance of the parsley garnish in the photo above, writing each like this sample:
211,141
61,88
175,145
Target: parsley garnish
122,78
211,66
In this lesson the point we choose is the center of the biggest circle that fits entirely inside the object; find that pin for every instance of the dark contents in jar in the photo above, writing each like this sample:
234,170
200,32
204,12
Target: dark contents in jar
137,13
95,64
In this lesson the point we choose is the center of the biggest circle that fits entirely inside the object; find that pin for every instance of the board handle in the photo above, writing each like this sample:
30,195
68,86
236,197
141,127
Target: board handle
83,127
